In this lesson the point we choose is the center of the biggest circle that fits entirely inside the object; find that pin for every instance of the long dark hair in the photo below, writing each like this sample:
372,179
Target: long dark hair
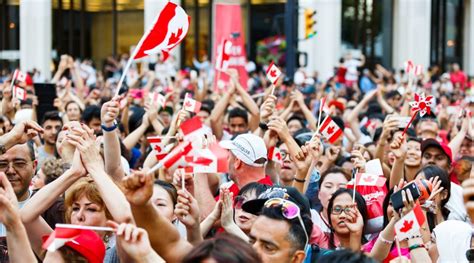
361,206
431,171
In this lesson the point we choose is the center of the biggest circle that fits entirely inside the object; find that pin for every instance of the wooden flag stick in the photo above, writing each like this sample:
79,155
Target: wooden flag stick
397,244
355,185
273,89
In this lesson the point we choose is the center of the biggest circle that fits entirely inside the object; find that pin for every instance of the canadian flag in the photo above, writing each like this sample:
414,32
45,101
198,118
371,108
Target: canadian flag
191,127
323,107
223,57
274,155
409,66
191,104
19,93
273,73
157,98
176,155
365,179
59,237
209,160
159,148
418,70
20,76
330,130
168,30
410,224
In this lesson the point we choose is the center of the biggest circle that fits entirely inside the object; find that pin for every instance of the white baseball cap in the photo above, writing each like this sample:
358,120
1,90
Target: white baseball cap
249,148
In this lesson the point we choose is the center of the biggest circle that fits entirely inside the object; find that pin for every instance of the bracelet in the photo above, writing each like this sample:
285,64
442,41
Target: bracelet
415,236
388,242
263,126
109,129
300,180
415,246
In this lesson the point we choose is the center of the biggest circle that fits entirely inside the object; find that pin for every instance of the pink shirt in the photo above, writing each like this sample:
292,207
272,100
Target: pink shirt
391,255
459,77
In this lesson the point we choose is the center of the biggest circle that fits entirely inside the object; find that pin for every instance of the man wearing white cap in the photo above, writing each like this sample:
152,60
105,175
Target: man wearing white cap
247,158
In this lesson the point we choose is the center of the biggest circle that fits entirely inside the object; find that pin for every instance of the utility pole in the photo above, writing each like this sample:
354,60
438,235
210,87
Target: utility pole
291,33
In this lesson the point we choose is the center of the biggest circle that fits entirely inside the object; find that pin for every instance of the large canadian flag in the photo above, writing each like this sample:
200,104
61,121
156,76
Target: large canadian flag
273,73
410,224
330,130
191,104
168,30
223,56
175,156
209,160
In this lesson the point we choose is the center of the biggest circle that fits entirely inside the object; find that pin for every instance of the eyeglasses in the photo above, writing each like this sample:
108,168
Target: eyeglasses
284,154
239,201
17,165
290,211
337,210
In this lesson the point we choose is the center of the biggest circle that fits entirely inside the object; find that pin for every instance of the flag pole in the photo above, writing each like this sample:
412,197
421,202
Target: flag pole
397,244
124,73
94,228
321,106
273,89
356,171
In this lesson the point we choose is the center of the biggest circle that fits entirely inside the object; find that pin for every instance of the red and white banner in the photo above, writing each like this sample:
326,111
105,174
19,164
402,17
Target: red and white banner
228,25
191,104
19,93
273,73
410,224
330,130
168,30
59,237
223,55
176,155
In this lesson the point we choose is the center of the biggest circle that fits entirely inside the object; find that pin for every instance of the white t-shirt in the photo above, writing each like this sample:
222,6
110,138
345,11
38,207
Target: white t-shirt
352,74
455,204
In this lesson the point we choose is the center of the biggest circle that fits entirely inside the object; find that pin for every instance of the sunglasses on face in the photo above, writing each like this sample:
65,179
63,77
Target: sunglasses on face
289,210
337,210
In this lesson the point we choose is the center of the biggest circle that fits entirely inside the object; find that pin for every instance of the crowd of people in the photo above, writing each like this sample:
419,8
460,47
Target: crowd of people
290,194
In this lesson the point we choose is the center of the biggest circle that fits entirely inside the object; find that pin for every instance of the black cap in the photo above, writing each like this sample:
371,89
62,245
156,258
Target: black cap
289,193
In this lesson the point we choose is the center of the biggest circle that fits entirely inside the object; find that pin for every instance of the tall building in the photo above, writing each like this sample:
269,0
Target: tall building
33,33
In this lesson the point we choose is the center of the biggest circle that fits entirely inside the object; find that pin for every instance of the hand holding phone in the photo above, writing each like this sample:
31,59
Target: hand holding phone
400,198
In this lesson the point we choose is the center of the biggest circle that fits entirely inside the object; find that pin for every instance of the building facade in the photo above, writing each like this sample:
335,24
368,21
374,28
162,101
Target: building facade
33,33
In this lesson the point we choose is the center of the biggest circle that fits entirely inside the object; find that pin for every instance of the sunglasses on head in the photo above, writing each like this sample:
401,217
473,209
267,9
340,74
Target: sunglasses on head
290,211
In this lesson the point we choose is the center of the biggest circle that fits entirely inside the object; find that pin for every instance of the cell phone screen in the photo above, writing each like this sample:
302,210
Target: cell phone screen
397,200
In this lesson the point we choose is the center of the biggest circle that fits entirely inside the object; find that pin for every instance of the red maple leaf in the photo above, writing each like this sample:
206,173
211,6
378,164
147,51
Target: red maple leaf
188,104
157,148
407,226
174,38
278,156
368,179
273,73
330,129
203,161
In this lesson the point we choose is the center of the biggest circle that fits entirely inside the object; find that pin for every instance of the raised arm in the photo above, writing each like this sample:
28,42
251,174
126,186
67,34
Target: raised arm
455,143
114,199
353,116
218,113
187,211
164,237
398,148
389,125
247,100
132,139
299,98
112,154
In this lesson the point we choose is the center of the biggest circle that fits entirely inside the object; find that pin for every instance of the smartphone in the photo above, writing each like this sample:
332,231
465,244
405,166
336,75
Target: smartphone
396,198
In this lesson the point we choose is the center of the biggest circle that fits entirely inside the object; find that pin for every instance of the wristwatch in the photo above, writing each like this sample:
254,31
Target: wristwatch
109,129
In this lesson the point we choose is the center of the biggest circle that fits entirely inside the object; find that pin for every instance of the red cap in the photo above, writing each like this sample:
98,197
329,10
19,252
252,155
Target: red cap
28,80
425,144
337,104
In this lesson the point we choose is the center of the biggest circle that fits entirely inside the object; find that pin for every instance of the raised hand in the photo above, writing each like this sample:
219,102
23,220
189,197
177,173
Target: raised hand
84,140
398,146
355,222
227,214
133,240
332,153
188,180
315,146
278,125
22,132
298,97
8,203
358,160
138,188
187,209
110,111
390,124
267,108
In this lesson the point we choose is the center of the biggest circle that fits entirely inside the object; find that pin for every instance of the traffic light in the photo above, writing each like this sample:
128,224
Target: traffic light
309,21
